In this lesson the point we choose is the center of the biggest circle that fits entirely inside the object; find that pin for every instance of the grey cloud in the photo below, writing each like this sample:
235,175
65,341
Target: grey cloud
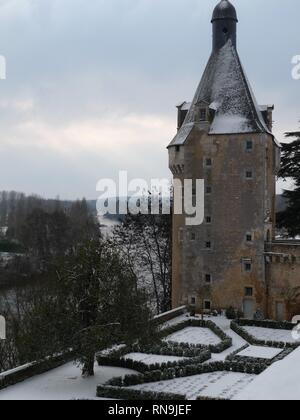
72,61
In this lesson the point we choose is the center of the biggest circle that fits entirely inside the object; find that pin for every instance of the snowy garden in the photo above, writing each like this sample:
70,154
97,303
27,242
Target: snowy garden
214,358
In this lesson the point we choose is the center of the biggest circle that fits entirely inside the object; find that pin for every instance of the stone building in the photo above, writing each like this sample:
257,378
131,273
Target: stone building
225,138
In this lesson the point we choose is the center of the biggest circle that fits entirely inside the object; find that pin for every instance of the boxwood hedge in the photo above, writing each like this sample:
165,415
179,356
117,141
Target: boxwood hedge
184,371
203,356
237,326
136,395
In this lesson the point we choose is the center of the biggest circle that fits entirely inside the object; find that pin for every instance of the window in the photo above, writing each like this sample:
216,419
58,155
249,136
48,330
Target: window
193,236
248,291
208,220
208,190
208,278
249,145
207,305
247,267
208,245
225,31
177,149
249,174
208,162
202,114
249,237
193,301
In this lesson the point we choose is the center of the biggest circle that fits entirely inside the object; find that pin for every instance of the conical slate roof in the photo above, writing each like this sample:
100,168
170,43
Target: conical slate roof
225,88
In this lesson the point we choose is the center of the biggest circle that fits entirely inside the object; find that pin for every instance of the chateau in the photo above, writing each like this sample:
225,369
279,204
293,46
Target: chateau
225,138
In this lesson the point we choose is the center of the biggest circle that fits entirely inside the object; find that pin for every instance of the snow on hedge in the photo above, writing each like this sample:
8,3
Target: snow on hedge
213,385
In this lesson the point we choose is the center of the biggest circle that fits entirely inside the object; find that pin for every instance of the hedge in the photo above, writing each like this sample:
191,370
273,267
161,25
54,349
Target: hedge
276,325
136,395
237,326
234,357
204,356
185,371
226,342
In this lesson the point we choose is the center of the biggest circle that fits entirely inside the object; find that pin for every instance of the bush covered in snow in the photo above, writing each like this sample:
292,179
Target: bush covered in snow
135,395
185,371
237,327
128,363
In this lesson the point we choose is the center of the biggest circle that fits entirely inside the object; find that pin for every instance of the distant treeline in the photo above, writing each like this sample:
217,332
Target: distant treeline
16,206
42,230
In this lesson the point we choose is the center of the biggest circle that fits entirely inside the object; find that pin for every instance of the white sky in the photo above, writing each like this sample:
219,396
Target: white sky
92,85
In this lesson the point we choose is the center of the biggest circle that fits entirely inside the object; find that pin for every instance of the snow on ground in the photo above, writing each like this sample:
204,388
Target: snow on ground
63,383
151,359
260,352
237,341
269,334
214,385
279,382
223,323
194,335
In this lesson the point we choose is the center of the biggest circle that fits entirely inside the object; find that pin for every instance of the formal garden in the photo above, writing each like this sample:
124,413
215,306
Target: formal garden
192,359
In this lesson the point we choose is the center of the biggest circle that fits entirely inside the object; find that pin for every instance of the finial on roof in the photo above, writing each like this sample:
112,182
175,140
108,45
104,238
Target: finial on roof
224,10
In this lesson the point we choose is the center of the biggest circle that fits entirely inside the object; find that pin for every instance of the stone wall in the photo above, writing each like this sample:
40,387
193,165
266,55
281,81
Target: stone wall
283,279
237,207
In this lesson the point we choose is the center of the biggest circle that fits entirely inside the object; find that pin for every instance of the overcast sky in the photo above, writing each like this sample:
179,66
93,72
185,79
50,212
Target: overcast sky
92,85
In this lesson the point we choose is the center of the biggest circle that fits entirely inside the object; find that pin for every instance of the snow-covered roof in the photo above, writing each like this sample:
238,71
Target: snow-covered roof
225,87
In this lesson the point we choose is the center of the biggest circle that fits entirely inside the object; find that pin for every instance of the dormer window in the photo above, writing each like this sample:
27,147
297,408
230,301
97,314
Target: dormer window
203,114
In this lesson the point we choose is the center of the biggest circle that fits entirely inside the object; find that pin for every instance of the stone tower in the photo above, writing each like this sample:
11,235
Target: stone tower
225,138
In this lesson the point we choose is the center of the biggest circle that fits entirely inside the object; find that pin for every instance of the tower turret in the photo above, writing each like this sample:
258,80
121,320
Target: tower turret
224,22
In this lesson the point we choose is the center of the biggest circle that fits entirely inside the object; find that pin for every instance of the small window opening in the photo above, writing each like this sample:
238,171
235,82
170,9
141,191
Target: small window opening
207,305
208,278
203,114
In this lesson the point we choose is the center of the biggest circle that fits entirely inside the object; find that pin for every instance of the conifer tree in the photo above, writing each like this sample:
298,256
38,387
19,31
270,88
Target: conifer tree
289,219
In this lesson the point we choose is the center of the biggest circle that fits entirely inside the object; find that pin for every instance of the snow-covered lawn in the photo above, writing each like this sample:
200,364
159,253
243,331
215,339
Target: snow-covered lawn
269,334
151,359
260,352
279,382
214,385
194,335
63,383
